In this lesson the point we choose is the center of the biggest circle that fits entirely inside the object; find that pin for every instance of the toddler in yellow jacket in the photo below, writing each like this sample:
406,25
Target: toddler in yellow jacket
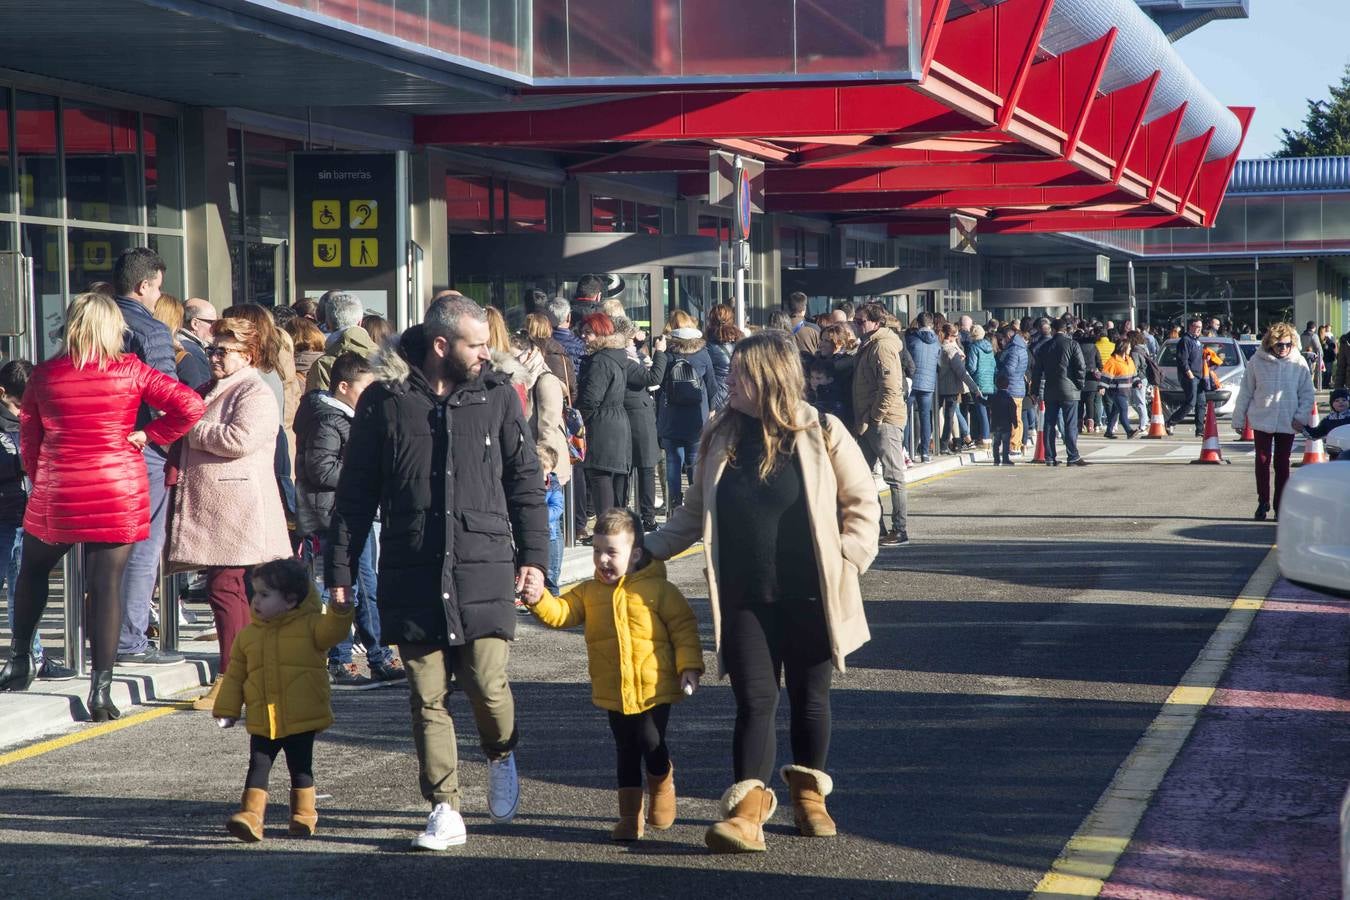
643,652
278,669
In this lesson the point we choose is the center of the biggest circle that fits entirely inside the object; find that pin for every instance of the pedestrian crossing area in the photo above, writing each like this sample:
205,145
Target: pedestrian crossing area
1141,451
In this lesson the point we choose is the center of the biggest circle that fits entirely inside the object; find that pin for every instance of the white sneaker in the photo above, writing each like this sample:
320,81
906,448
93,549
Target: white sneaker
445,828
503,789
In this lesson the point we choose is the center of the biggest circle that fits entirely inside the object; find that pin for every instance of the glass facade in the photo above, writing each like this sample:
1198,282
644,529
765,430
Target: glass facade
79,183
259,171
492,32
489,204
699,39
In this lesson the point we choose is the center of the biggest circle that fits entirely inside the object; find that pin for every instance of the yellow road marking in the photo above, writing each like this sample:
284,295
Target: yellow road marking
1090,856
67,740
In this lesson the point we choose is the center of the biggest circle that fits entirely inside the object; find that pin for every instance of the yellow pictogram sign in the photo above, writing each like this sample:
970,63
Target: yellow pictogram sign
363,215
327,253
365,253
327,215
97,256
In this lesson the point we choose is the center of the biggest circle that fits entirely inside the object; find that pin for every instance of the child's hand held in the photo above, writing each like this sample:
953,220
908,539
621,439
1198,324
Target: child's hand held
226,721
689,682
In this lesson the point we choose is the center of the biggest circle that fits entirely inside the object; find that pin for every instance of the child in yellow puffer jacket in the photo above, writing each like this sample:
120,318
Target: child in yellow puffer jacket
279,670
643,652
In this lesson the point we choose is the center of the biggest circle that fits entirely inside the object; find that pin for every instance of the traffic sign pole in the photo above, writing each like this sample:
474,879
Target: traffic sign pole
741,238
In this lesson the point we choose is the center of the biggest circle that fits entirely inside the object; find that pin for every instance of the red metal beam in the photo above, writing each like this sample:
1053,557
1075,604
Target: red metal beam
934,17
935,176
1061,90
864,110
990,197
1212,185
1017,56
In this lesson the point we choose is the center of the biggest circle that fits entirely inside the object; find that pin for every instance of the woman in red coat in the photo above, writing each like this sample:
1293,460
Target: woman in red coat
80,446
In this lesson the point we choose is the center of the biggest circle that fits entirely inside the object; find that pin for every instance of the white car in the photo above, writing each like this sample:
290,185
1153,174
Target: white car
1230,372
1314,529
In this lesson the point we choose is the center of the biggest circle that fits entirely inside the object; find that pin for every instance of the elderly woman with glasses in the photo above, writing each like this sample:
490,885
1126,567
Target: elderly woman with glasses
1276,399
227,509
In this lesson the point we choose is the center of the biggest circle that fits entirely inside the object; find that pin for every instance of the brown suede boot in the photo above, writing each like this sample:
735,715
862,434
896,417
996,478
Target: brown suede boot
661,799
247,824
746,806
304,818
809,788
207,702
629,826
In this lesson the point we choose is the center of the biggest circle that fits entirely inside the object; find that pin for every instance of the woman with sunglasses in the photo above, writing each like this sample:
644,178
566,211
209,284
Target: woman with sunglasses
227,513
1277,399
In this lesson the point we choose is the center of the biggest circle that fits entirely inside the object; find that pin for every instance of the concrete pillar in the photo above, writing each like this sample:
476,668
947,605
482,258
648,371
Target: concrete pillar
428,226
1306,295
207,196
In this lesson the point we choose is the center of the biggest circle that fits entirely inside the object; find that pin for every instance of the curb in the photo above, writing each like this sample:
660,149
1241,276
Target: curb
51,706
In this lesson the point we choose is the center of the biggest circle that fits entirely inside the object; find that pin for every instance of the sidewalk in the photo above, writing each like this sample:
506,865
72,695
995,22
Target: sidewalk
1250,806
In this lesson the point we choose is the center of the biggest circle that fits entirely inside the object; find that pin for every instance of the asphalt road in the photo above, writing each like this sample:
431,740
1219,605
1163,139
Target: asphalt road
1021,645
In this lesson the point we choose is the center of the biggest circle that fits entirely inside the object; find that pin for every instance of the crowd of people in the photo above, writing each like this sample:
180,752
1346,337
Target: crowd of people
340,484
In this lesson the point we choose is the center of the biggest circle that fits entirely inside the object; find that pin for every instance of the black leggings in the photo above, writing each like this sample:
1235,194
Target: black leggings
605,488
640,738
262,752
103,568
759,642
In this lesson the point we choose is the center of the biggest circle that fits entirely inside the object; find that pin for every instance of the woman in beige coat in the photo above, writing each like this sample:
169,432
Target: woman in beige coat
789,518
543,401
227,509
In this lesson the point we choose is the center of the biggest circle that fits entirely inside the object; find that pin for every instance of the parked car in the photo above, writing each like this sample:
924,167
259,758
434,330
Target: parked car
1314,530
1229,372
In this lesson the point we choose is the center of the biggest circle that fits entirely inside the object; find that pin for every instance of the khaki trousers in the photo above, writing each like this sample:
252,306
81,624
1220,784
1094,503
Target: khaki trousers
479,668
1016,441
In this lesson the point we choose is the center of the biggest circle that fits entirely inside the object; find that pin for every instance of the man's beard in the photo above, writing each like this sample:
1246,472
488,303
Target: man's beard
457,372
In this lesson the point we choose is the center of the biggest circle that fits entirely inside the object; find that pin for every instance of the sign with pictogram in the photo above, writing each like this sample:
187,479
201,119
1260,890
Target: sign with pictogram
327,253
961,237
96,256
363,215
327,214
365,253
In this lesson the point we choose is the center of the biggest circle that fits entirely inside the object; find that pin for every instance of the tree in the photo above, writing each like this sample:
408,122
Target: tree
1326,129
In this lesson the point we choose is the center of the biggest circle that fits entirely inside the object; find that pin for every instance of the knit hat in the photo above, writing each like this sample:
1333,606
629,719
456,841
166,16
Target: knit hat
1340,394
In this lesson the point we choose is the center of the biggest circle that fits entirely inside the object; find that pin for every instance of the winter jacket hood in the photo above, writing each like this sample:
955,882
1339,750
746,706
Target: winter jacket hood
278,671
640,635
351,340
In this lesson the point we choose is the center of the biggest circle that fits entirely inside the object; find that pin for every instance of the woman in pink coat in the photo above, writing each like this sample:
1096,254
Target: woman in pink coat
81,448
227,512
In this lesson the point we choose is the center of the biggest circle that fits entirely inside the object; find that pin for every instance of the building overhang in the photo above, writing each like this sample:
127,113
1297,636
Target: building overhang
996,127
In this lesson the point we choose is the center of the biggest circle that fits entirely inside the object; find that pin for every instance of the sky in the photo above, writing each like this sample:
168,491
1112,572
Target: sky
1288,52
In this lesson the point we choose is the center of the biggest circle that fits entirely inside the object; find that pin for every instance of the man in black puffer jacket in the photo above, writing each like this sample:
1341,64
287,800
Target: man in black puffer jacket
441,446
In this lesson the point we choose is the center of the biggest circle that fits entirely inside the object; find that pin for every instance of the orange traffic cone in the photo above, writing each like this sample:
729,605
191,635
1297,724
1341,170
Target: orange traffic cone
1314,451
1040,438
1248,436
1210,452
1157,425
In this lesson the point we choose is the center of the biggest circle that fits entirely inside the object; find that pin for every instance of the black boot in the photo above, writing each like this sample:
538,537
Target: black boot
101,707
19,672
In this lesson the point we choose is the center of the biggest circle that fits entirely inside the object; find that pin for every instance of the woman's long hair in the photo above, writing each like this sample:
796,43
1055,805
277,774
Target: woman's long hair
769,366
720,326
94,327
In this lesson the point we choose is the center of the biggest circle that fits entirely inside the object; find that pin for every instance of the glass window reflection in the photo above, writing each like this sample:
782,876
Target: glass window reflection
39,174
102,183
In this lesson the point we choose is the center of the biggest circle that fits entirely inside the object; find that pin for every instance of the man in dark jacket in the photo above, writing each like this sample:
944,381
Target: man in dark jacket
138,276
1013,361
1190,371
441,447
1058,380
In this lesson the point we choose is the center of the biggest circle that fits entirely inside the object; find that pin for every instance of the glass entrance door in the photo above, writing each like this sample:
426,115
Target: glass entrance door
689,290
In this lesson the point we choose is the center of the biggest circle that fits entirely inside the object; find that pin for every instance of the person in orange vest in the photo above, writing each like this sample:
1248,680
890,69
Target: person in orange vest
1119,376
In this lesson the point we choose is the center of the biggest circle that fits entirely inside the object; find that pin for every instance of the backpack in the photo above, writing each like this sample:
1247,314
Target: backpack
576,433
684,387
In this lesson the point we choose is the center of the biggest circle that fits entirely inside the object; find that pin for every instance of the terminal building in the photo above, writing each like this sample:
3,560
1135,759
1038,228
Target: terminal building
949,155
